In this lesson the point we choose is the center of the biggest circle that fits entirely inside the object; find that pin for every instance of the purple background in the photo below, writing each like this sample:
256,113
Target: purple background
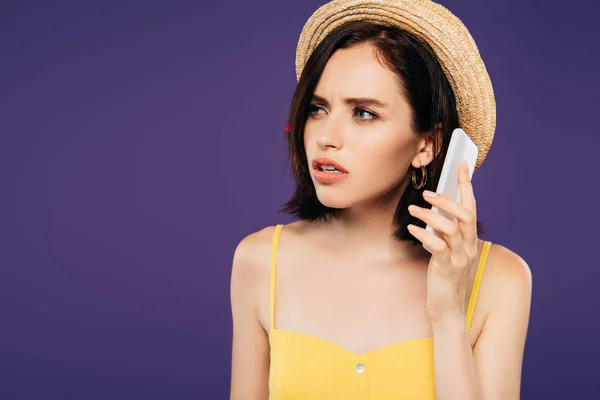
141,140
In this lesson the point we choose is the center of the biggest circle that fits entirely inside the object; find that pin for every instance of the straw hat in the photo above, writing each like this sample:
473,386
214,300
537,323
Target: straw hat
445,33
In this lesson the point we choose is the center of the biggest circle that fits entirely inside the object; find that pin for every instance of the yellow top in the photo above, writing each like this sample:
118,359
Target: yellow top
307,367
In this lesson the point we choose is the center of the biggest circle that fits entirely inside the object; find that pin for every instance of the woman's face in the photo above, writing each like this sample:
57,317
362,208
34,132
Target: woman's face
360,122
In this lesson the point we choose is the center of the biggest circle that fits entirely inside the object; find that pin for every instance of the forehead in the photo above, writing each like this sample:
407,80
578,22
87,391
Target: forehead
356,71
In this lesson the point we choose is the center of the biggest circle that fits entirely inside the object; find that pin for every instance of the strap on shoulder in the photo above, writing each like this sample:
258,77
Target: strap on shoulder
273,275
477,282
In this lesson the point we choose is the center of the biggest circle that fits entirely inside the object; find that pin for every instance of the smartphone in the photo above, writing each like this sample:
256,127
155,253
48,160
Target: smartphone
461,148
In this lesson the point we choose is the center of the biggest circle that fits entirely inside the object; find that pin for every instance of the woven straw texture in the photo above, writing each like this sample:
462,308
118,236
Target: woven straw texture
451,41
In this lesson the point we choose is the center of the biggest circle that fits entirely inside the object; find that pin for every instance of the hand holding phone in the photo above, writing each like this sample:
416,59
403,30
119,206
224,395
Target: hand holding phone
461,148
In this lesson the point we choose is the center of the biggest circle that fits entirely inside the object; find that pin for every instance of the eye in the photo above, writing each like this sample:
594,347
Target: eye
314,109
363,114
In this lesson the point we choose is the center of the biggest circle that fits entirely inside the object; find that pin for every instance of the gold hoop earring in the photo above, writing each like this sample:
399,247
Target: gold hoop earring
423,178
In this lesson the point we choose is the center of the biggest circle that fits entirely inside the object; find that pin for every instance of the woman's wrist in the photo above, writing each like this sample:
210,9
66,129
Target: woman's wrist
448,321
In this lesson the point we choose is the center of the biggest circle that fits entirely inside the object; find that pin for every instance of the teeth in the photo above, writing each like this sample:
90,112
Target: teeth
330,168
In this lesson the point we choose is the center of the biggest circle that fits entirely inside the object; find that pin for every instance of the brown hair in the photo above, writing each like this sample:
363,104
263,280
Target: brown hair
425,87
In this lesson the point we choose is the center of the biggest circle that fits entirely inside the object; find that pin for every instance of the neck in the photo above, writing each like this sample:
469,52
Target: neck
366,230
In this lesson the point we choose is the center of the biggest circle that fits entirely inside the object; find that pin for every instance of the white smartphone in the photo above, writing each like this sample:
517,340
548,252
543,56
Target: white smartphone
461,148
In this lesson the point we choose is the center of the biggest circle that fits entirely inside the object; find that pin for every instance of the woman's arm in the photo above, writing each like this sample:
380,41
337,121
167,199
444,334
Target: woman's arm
250,350
499,350
492,371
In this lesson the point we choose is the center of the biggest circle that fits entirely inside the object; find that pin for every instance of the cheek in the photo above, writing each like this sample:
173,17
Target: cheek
385,157
309,137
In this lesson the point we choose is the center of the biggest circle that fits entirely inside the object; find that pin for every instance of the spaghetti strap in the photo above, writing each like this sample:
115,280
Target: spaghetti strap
273,274
477,282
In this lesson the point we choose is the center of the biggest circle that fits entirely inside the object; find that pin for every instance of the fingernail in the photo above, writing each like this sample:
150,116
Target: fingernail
430,194
414,209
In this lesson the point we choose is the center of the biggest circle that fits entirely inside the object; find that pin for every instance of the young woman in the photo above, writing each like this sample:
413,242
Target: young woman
356,300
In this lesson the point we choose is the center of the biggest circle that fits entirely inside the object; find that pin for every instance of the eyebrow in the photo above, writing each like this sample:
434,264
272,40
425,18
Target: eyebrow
353,101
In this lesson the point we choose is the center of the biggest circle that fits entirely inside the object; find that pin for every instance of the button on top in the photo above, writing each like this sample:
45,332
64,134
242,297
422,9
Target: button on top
360,368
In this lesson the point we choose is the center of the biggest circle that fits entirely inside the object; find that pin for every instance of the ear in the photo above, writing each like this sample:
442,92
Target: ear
426,150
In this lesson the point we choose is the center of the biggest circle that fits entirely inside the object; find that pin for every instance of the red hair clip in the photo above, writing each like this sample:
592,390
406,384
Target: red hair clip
287,128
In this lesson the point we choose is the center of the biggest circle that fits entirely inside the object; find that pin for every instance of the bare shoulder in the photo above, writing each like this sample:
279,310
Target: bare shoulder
507,268
508,278
253,247
251,270
249,283
499,349
251,257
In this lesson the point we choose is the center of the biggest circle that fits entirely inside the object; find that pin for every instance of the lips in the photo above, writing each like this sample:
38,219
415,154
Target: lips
328,176
319,161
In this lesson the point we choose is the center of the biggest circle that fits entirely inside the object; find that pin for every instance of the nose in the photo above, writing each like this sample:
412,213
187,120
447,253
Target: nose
330,135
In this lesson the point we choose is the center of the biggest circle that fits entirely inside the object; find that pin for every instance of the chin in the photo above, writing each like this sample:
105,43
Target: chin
335,196
342,196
